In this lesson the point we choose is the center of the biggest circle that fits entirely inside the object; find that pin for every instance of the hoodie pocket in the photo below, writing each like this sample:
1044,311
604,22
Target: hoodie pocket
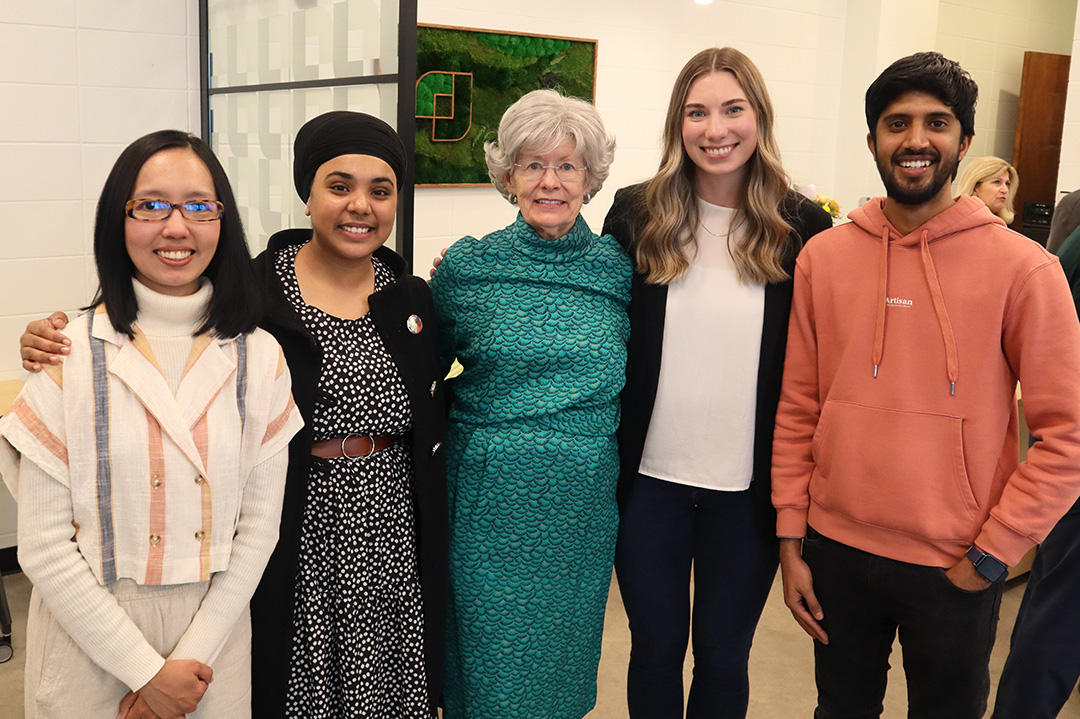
896,469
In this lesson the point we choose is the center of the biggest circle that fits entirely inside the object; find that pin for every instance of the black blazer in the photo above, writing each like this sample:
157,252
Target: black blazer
648,305
416,358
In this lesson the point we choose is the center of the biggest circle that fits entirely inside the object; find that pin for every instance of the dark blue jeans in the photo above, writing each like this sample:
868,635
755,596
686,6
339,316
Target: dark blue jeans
664,529
1044,659
947,634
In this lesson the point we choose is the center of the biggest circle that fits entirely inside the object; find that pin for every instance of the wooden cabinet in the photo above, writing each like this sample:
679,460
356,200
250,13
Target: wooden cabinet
1037,149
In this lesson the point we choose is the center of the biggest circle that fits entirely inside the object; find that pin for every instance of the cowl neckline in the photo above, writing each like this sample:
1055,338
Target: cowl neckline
567,248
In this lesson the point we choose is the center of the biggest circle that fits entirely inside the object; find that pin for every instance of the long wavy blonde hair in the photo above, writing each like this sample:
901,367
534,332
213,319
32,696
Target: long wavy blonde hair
665,246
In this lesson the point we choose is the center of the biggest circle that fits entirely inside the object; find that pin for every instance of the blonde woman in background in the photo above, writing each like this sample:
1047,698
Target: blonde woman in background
993,181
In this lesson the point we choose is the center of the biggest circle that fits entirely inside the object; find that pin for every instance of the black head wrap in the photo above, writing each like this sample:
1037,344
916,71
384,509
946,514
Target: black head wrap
341,132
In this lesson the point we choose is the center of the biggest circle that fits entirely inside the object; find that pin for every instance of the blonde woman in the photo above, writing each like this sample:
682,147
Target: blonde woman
713,236
993,181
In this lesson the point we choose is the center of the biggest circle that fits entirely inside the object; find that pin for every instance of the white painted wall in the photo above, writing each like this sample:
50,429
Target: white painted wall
878,32
86,77
818,57
989,41
798,44
1069,170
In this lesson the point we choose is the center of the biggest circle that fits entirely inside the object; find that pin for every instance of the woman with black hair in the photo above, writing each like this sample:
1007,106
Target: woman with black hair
149,467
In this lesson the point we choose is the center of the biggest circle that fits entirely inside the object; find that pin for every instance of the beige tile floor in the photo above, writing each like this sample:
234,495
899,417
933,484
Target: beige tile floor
781,664
781,669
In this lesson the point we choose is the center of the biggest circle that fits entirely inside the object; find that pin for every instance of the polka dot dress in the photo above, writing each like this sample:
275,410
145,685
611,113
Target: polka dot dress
358,649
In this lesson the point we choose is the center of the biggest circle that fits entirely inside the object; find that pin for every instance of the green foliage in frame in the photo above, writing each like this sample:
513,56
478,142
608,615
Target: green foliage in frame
466,80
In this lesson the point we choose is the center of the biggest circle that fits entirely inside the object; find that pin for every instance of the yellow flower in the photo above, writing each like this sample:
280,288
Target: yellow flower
828,204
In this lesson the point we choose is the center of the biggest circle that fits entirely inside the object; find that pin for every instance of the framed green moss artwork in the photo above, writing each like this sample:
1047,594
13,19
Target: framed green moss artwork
466,78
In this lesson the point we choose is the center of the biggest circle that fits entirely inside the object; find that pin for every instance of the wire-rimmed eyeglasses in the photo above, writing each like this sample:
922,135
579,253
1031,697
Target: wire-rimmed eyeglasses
565,171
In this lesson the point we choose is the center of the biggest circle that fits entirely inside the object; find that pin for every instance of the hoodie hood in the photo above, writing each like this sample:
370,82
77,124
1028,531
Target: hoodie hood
967,213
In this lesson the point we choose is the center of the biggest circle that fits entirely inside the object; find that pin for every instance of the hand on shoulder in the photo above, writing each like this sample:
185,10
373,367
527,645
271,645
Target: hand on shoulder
42,343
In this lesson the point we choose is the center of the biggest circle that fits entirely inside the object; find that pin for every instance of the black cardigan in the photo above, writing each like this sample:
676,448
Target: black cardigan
416,358
648,304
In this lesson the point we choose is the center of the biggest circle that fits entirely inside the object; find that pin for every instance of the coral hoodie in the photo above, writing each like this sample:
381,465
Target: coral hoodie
897,426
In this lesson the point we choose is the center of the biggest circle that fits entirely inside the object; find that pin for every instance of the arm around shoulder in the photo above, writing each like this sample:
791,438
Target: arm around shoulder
42,343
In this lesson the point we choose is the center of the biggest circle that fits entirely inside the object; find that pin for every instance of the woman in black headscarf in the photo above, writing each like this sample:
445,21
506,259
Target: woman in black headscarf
348,620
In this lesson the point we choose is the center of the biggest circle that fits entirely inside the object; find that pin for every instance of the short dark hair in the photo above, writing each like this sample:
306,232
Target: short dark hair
237,302
932,73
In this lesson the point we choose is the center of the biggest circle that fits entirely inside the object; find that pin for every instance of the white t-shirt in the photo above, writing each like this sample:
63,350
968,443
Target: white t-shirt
702,427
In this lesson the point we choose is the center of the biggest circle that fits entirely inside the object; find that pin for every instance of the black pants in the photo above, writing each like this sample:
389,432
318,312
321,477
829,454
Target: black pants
665,527
946,633
1044,659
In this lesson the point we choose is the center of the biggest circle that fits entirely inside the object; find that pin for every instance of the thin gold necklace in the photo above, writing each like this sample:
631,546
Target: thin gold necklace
723,236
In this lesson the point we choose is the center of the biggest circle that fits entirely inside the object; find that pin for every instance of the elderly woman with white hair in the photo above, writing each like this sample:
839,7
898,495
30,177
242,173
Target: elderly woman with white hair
993,181
536,314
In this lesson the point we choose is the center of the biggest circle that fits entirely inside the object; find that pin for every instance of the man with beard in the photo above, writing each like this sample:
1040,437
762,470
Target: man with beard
900,500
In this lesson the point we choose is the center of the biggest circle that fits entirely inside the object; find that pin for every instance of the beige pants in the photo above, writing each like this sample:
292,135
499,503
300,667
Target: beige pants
62,682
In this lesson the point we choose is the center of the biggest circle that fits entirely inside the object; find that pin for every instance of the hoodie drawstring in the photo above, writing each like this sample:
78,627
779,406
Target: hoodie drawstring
883,288
951,361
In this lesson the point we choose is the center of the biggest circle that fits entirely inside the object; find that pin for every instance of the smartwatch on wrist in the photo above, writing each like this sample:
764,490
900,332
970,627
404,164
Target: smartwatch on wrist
990,567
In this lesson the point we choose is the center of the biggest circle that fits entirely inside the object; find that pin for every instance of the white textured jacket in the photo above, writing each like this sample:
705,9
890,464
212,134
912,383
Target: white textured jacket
159,484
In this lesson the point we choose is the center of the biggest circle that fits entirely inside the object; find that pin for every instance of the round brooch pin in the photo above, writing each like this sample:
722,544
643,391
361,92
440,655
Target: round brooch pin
415,324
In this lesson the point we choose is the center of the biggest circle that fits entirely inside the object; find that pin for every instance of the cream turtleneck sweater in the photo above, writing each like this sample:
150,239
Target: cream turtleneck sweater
169,323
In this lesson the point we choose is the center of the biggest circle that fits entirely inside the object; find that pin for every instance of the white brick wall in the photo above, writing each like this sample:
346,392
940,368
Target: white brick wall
78,82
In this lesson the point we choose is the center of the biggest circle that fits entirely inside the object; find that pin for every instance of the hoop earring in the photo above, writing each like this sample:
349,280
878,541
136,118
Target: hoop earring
513,199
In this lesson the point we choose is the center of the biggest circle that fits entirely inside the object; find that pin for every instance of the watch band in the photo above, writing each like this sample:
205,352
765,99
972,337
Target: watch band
990,567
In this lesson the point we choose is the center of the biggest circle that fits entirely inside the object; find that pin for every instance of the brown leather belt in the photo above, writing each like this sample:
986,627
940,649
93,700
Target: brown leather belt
352,446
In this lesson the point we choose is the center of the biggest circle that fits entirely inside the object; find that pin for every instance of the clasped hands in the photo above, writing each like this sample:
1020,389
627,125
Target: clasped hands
175,690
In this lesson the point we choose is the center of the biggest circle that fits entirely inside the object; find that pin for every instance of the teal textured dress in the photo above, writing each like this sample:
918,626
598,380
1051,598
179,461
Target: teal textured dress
540,328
